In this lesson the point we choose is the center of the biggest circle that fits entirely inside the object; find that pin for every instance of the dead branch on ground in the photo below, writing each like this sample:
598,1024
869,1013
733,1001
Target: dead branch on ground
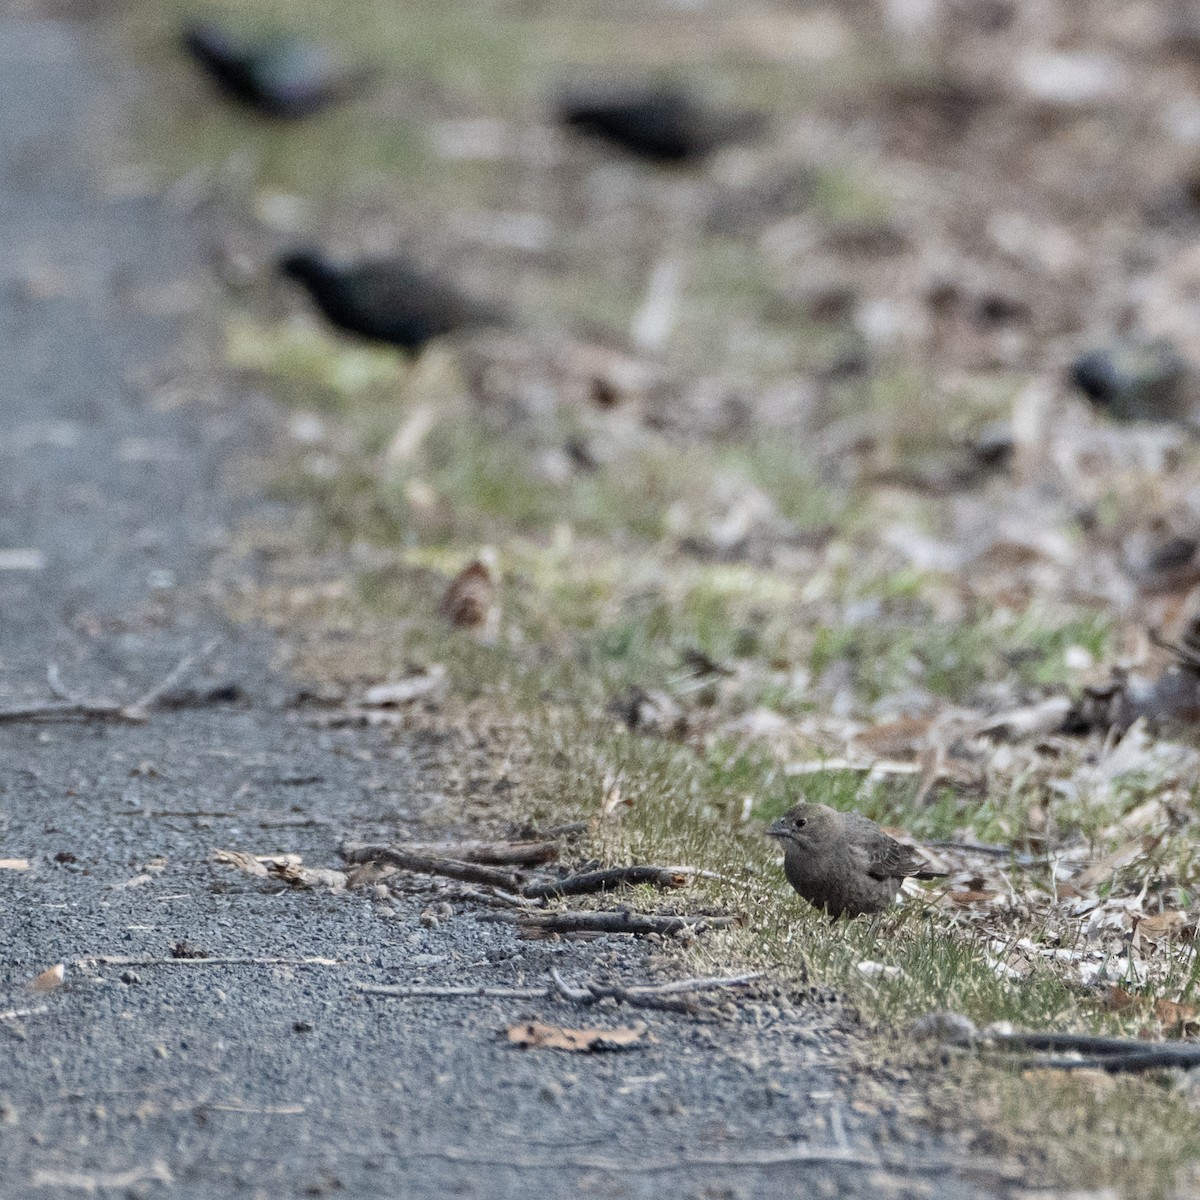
603,881
670,996
619,921
1114,1055
428,864
524,853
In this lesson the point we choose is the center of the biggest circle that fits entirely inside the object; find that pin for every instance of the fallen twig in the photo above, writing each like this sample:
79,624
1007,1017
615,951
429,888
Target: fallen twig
495,853
608,922
123,960
16,1014
137,710
406,991
671,997
1101,1053
492,896
603,881
800,1152
1158,1059
653,995
70,704
1081,1043
428,864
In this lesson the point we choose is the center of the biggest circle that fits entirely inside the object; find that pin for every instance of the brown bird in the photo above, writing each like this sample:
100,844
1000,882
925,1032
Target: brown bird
843,862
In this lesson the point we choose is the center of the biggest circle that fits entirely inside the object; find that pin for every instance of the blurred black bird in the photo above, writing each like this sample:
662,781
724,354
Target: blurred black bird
278,74
387,300
662,124
1135,380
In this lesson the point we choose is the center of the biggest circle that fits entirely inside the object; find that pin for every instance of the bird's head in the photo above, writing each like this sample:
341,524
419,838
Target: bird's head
208,41
306,266
803,825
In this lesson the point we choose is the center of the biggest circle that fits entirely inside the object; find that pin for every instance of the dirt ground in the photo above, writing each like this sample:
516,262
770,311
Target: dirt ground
259,1070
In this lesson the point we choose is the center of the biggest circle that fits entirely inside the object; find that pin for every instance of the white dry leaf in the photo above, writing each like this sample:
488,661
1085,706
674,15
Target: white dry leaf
1115,916
1003,969
406,690
1138,752
818,766
1070,79
1147,815
1112,970
135,881
759,723
411,435
878,970
1029,720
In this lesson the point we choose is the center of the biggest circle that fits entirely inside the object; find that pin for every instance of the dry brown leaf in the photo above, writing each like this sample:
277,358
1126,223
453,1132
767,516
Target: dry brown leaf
48,980
1119,1000
241,860
299,876
613,799
1179,1018
368,874
535,1035
1175,926
287,867
472,600
896,738
1106,867
14,864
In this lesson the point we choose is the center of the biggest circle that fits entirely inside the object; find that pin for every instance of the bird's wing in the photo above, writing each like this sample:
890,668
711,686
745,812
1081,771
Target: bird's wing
891,860
883,856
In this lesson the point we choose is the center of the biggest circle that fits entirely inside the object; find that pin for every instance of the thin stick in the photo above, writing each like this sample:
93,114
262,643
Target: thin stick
15,1014
586,993
70,704
427,864
122,960
59,689
1162,1058
63,709
137,710
1088,1044
602,881
598,1162
493,896
665,996
703,984
404,991
496,853
610,922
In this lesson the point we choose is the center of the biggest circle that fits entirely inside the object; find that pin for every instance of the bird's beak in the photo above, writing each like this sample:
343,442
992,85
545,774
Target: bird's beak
777,829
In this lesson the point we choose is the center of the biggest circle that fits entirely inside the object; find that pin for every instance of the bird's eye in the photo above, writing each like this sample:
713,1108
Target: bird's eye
801,822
